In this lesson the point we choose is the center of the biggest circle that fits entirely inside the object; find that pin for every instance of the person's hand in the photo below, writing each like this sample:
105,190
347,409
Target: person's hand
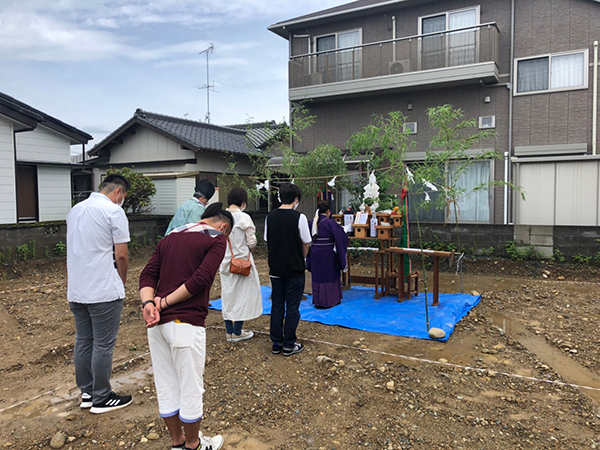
151,315
159,303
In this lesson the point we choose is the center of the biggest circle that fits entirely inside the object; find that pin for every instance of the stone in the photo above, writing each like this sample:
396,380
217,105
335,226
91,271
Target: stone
341,363
475,294
152,436
322,359
443,360
390,386
437,333
58,440
561,278
143,439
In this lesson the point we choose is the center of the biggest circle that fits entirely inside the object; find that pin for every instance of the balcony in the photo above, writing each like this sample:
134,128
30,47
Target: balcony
461,56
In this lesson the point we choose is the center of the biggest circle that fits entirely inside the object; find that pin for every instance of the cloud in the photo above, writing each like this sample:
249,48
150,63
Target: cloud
40,38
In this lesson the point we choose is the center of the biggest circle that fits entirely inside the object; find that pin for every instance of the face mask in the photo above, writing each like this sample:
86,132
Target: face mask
296,205
243,208
122,201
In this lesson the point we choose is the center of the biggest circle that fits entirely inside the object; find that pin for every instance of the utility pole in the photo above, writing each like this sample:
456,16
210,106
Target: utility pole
207,86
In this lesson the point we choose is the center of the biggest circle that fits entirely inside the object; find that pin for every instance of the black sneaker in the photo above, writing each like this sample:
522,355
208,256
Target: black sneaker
86,401
297,349
113,402
277,349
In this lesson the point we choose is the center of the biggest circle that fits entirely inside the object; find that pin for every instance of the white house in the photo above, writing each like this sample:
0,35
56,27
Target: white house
35,168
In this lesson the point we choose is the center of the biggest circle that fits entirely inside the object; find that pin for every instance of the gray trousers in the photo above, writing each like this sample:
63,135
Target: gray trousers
96,326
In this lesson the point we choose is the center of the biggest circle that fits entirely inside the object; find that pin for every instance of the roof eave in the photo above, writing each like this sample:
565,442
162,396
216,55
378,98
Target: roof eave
281,27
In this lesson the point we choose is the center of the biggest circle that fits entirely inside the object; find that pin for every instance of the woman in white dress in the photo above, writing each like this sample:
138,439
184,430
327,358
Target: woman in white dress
241,296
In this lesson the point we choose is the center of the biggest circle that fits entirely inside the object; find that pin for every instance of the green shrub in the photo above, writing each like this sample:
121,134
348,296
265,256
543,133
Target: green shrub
140,191
558,256
520,254
46,251
60,249
582,259
24,252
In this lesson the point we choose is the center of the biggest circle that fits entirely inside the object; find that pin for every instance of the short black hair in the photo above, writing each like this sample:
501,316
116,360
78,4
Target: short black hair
323,207
288,193
216,211
113,181
237,196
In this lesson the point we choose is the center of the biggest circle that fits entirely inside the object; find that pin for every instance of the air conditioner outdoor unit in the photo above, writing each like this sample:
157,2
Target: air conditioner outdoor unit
402,66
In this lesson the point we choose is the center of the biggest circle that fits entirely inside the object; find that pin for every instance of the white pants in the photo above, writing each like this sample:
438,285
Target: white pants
178,352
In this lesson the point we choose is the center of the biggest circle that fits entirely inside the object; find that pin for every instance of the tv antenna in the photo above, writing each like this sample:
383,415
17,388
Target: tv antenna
207,86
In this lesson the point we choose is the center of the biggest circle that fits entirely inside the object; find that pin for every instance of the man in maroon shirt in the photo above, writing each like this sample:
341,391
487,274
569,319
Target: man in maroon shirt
175,289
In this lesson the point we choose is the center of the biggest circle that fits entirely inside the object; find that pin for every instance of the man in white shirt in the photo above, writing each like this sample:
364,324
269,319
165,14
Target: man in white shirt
97,262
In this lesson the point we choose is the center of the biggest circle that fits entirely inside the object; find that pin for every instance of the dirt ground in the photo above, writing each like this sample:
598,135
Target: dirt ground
512,375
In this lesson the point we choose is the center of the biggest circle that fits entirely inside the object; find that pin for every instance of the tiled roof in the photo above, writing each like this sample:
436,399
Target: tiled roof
200,135
260,134
239,139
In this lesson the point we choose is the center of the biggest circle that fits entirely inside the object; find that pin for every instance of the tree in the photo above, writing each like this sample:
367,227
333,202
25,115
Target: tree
312,171
141,190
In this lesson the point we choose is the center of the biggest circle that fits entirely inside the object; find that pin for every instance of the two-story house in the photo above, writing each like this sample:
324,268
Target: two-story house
35,167
524,68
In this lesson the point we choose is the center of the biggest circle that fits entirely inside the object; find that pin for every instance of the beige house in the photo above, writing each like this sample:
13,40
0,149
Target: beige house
176,153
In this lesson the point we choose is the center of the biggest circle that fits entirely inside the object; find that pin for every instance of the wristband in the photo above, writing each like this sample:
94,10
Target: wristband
148,301
166,302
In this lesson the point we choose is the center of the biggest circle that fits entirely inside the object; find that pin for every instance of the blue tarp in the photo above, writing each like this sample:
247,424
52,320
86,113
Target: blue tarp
359,310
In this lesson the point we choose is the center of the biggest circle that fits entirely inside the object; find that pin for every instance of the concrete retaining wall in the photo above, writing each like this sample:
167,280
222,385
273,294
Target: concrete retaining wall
480,238
48,234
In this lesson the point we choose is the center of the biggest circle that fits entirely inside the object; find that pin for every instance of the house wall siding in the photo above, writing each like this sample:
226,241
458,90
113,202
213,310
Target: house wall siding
147,145
54,192
551,26
559,193
8,207
43,145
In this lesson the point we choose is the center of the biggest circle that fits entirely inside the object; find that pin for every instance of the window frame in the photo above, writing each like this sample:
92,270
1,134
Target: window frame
405,127
337,50
477,9
586,63
483,127
447,13
490,193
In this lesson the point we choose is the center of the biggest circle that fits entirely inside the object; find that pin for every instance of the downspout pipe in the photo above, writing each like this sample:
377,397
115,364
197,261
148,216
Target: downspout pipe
394,38
508,203
595,101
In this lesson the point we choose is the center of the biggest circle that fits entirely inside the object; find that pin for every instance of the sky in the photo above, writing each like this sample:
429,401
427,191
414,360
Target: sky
92,63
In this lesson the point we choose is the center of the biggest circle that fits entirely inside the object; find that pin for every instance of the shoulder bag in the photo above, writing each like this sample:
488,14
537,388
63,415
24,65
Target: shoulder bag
239,266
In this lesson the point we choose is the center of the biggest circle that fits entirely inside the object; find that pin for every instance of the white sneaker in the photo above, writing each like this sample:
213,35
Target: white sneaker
229,337
182,446
211,443
86,401
244,335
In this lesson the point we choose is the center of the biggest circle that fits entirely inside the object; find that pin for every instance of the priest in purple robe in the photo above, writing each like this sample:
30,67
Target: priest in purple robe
327,258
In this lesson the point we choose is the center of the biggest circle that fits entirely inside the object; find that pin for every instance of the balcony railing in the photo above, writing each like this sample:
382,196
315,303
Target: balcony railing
460,47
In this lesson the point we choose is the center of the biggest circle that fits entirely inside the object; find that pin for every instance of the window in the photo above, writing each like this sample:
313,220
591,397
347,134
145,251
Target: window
487,122
449,48
411,127
556,72
473,206
335,63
